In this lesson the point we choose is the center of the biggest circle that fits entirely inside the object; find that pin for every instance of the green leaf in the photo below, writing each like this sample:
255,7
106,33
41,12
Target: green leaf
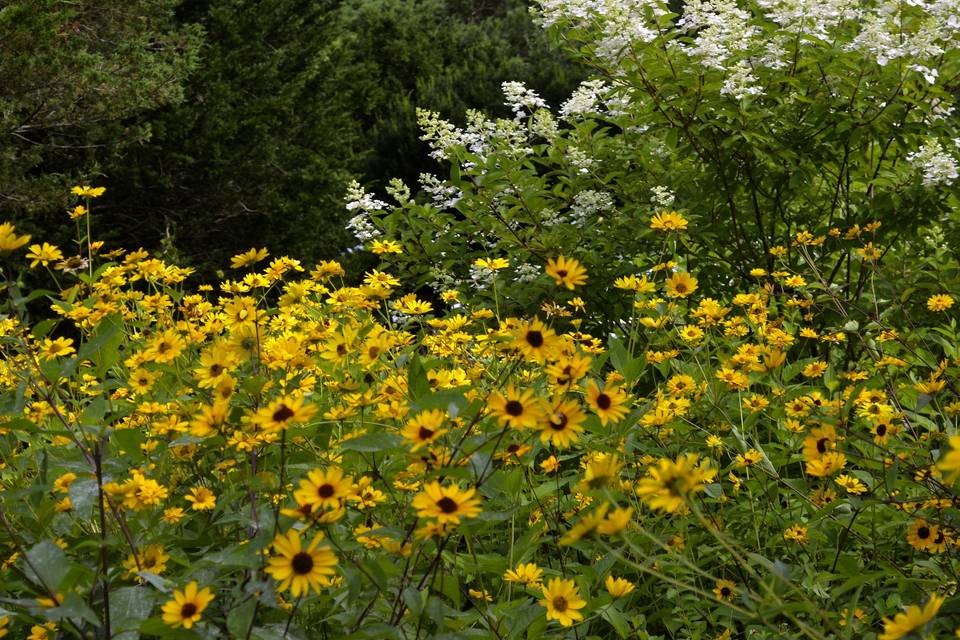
371,442
50,564
128,607
417,382
616,620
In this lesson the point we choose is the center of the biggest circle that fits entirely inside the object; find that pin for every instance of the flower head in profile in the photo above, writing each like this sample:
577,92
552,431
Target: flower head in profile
566,272
528,574
86,191
561,599
913,618
248,258
618,587
10,241
187,605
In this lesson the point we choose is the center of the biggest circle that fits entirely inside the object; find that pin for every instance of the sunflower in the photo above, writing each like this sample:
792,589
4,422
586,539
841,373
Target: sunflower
324,489
921,535
680,285
283,412
153,559
561,598
446,504
725,590
601,471
528,573
202,499
667,486
518,409
608,403
186,606
564,422
424,428
913,618
618,587
566,272
301,569
536,341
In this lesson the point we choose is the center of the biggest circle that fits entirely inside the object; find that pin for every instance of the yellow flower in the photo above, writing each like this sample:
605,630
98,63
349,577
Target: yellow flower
563,424
851,484
618,587
424,428
796,533
528,573
550,465
301,569
913,618
667,486
45,631
55,348
814,369
939,302
201,498
680,285
446,504
381,247
518,409
668,221
153,559
87,191
78,212
43,254
187,605
282,413
10,241
725,590
609,403
566,272
491,264
949,462
561,598
324,489
536,341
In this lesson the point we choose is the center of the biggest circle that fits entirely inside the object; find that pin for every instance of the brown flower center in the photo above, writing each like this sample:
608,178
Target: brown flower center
447,505
558,421
282,414
535,339
424,433
604,401
302,563
188,610
514,408
560,604
923,533
326,490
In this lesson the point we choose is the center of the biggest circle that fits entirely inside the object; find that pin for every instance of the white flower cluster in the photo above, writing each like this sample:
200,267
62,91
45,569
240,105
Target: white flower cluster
481,277
520,99
526,272
478,137
741,82
442,196
811,18
359,200
663,197
624,22
723,30
938,166
586,99
588,204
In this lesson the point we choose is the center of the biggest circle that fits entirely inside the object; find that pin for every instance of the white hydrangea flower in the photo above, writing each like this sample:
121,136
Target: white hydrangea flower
520,99
938,166
741,82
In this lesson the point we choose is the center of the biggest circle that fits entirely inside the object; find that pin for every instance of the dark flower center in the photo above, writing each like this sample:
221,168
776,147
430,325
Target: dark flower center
373,352
188,610
302,563
560,604
603,401
881,429
447,505
535,339
514,408
559,421
424,433
282,414
822,444
923,533
725,592
562,273
326,490
513,448
215,369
